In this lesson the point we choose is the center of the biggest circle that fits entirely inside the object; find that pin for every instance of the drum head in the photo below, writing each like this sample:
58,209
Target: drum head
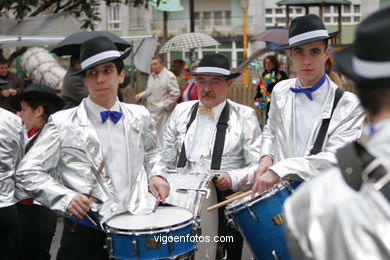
163,217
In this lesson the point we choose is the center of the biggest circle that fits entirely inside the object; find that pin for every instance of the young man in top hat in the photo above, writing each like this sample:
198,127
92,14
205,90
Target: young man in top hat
214,133
96,160
345,212
297,139
11,152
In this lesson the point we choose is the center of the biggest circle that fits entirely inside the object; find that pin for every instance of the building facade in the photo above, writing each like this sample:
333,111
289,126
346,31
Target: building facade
223,19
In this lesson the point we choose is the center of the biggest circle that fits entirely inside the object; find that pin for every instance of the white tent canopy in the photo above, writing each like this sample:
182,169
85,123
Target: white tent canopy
51,29
52,24
142,53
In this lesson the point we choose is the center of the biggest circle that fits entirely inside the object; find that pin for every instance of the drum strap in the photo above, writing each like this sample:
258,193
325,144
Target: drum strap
183,157
357,165
219,138
319,142
216,161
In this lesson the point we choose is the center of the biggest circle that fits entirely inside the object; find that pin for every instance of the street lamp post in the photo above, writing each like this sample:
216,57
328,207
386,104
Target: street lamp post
244,7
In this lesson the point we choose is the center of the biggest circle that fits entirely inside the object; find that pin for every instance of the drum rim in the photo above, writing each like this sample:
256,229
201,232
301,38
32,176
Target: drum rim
150,231
184,255
262,196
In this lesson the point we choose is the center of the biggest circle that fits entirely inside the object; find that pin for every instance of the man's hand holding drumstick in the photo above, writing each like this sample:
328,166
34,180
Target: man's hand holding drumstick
263,177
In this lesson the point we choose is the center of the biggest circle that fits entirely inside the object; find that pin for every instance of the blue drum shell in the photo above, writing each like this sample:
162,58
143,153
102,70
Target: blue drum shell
122,245
261,233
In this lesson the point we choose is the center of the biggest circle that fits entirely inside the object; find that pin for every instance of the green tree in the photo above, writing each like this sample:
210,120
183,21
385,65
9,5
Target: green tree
85,10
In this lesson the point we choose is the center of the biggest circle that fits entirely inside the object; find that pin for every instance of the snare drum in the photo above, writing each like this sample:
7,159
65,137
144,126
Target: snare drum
189,190
260,221
196,192
163,234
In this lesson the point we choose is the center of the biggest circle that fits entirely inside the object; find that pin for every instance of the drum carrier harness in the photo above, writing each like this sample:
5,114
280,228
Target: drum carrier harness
223,229
357,165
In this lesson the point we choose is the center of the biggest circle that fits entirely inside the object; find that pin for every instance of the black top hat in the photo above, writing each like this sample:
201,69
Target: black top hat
214,65
367,61
38,91
98,50
306,29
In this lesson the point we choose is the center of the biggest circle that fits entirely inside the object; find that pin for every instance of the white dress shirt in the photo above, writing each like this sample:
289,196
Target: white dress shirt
205,129
111,137
307,112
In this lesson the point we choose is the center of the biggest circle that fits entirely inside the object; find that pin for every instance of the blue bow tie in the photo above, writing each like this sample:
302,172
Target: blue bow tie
308,91
114,115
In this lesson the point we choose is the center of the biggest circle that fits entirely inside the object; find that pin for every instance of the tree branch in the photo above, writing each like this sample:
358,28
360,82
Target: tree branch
43,7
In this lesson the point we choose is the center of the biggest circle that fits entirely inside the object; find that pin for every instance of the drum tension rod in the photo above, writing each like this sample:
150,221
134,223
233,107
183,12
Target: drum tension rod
204,191
275,256
171,246
253,215
135,246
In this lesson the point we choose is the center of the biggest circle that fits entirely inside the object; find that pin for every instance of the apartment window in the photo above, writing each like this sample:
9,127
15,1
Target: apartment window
356,19
327,20
298,10
346,19
356,8
114,18
327,9
268,11
335,19
218,18
228,17
136,16
278,10
197,18
347,9
280,20
268,20
207,18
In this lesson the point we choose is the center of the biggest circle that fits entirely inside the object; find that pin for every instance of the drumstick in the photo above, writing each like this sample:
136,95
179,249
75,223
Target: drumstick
228,201
234,194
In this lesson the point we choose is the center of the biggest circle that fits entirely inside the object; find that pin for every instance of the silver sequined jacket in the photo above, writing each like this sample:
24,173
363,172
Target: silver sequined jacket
327,219
66,156
279,133
242,142
11,152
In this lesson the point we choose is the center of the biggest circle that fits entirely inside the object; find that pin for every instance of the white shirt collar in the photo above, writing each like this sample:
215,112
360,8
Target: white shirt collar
95,109
217,109
319,94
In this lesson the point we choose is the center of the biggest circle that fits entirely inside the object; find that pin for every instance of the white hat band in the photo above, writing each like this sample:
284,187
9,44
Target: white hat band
99,57
307,35
213,70
371,69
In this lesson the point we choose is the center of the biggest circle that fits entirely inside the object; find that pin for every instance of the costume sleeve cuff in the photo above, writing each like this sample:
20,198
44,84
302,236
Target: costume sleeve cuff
234,180
264,154
67,199
280,170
